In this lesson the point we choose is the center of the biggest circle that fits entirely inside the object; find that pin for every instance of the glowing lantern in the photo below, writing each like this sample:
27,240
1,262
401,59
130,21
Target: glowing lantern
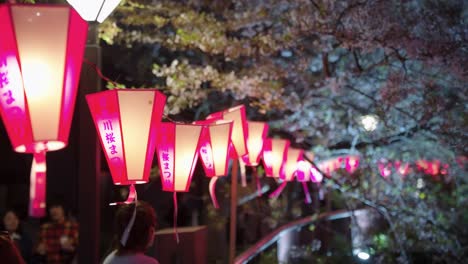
127,121
274,156
385,168
239,129
214,151
402,169
303,171
315,175
293,156
177,148
257,134
215,146
94,10
41,51
351,163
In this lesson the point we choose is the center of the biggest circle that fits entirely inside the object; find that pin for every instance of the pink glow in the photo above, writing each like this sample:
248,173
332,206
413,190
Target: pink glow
257,134
239,129
177,147
352,163
18,99
37,186
215,146
107,110
385,168
303,171
293,156
316,176
274,156
402,168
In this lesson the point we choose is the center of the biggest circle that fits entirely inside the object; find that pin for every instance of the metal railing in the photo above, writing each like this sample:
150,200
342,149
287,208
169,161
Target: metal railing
273,237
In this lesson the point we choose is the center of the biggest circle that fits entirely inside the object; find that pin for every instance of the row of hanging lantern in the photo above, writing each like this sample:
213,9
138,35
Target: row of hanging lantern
39,74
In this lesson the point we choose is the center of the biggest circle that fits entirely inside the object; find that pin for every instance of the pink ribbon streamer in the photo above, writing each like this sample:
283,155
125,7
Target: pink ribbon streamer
308,200
131,198
37,186
176,234
278,191
212,188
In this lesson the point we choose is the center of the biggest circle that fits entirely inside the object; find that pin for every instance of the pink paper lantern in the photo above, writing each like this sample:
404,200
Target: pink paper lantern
402,168
293,156
127,121
303,173
274,156
239,129
385,168
258,132
177,147
351,163
41,53
215,145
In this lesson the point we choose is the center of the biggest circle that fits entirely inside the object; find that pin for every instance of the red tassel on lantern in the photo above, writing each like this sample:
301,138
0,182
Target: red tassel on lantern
41,52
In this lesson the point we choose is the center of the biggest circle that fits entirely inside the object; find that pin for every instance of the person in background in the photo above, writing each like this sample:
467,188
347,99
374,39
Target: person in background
58,239
141,229
18,235
8,251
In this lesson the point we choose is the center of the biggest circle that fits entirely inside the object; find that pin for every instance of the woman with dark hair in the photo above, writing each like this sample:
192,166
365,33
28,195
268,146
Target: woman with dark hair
135,226
17,234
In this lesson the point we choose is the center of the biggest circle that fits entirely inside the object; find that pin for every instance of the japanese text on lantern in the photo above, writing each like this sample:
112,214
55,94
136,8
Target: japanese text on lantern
110,140
9,103
166,160
205,152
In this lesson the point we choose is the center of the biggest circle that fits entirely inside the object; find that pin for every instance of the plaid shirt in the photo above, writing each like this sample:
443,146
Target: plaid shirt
51,233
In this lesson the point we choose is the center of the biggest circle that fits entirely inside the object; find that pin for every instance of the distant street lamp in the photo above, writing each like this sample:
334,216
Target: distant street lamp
94,10
41,52
369,122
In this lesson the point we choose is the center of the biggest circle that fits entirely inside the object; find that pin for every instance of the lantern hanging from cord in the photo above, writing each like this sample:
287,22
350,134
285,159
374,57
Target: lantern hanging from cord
214,151
94,10
239,132
274,156
351,163
41,52
177,147
257,133
127,121
290,166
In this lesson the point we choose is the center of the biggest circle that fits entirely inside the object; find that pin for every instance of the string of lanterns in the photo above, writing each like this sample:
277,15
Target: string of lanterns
39,74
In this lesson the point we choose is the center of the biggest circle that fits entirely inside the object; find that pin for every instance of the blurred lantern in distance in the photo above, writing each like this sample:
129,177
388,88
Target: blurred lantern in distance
239,129
274,156
127,121
41,52
257,134
303,171
293,156
351,163
94,10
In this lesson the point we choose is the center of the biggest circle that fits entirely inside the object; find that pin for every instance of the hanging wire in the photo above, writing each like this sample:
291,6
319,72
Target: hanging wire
99,72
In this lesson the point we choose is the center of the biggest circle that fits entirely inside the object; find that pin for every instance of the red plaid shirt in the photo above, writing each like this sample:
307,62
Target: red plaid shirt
52,233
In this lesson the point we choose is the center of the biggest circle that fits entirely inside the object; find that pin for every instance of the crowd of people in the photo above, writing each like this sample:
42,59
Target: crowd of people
56,241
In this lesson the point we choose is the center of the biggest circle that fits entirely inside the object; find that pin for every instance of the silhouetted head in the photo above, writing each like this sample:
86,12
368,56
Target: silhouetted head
142,232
